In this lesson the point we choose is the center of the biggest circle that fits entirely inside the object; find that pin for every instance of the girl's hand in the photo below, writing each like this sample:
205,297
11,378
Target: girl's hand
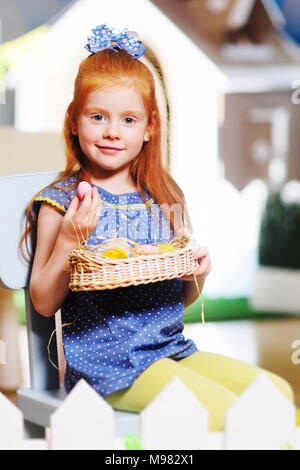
81,220
203,258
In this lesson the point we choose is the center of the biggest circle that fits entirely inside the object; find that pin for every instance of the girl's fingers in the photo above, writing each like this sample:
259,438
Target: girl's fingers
201,252
86,202
96,207
89,202
73,207
88,207
89,212
204,268
96,200
82,216
96,194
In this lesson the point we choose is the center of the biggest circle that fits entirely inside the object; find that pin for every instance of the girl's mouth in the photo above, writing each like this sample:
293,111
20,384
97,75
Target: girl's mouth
110,150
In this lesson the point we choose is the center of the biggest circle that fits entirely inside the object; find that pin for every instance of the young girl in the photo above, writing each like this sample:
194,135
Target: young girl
127,343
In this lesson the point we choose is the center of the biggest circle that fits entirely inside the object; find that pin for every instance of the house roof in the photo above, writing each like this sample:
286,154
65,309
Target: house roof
241,11
274,12
201,23
69,28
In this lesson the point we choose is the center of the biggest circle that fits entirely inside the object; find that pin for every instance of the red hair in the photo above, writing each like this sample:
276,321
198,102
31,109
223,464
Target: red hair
108,68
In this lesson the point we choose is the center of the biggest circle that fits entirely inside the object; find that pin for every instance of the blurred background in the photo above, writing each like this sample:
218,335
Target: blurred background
232,78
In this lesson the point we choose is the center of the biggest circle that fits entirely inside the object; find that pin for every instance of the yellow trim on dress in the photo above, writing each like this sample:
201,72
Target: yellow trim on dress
129,206
51,201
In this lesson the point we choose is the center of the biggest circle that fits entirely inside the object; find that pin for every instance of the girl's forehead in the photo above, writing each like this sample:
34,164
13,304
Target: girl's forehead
112,95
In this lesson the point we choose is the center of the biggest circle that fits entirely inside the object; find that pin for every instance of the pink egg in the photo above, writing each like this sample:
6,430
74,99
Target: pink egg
146,250
84,187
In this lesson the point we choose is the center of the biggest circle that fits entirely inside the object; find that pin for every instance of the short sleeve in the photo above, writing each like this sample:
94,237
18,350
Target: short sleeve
59,195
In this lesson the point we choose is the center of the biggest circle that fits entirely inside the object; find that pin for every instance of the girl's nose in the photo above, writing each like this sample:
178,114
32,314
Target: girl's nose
112,131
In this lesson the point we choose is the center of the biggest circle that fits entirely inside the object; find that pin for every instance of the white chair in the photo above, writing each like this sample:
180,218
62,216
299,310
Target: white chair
46,393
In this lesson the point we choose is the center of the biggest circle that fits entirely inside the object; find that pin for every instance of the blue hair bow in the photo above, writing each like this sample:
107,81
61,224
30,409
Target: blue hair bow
106,38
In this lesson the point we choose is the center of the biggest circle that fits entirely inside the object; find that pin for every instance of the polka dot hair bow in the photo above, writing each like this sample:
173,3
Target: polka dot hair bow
106,38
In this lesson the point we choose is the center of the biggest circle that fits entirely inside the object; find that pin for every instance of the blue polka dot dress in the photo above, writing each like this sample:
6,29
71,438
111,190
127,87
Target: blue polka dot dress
116,334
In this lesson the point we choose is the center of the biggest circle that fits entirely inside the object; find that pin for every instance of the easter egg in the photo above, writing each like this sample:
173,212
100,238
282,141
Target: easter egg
146,250
165,247
84,187
114,253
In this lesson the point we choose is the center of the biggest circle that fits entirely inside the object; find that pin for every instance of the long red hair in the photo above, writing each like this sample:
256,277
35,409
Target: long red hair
147,170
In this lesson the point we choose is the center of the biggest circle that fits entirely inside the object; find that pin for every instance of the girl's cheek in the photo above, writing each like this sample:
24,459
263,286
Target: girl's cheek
89,133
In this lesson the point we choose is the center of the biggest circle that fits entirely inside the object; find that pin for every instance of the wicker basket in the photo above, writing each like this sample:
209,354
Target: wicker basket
90,271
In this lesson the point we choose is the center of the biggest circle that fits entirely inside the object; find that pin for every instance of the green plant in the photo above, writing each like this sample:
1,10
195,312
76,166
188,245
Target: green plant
279,238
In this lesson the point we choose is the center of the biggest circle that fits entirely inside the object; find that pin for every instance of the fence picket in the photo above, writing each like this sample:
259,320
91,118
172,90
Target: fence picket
175,419
261,418
11,425
83,421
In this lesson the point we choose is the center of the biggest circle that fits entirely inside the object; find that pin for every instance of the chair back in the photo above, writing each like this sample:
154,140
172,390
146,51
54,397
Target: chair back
15,195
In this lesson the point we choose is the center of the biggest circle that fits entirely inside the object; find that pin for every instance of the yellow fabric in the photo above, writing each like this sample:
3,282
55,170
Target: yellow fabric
216,380
50,201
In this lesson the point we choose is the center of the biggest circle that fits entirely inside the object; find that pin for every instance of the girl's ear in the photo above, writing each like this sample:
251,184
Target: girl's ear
147,136
73,128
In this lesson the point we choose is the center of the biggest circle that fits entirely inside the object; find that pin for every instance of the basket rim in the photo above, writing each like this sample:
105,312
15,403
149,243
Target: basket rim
77,253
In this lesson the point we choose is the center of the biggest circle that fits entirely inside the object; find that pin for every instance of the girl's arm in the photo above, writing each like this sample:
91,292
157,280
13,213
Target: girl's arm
56,238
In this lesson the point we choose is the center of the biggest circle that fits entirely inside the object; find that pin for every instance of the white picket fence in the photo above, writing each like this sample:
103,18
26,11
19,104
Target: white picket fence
262,418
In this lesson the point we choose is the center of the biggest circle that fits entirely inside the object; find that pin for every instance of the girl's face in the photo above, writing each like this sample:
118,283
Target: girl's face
112,128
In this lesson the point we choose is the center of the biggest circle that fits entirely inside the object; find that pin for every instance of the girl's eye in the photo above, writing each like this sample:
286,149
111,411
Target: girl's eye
98,117
128,120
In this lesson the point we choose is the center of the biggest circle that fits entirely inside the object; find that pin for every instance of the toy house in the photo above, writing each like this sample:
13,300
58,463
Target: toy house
246,39
44,86
258,137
